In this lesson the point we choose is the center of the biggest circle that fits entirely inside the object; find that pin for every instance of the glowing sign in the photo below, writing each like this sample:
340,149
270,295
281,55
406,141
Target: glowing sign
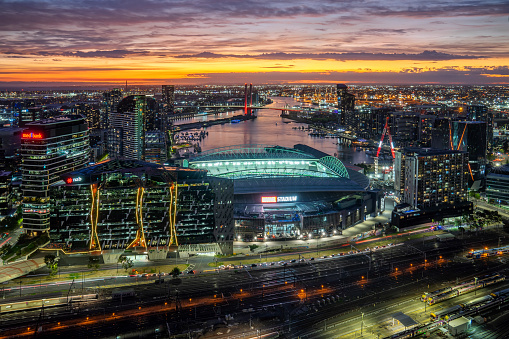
32,135
279,199
73,180
287,199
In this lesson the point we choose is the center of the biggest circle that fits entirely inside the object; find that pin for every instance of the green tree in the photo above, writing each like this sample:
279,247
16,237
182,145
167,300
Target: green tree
52,263
175,272
125,262
93,263
253,247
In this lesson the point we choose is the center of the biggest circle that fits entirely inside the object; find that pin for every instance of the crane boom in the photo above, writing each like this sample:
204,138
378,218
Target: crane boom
388,132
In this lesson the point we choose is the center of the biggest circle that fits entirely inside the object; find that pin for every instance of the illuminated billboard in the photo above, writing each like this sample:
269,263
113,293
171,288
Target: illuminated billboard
274,199
73,180
31,135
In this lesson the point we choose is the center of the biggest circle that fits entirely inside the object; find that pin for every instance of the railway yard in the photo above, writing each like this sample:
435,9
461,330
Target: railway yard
348,296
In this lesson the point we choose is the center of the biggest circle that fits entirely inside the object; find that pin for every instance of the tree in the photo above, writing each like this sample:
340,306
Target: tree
175,272
462,231
93,263
126,262
52,263
253,247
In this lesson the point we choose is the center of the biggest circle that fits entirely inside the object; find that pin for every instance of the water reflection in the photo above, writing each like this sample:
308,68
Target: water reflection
270,129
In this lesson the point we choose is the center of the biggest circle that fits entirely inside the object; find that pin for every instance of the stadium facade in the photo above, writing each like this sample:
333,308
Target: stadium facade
282,192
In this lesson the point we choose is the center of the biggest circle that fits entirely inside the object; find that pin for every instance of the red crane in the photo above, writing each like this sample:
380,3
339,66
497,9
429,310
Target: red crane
388,132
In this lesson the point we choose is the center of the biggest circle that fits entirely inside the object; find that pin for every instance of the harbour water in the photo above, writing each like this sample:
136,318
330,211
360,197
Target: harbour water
270,129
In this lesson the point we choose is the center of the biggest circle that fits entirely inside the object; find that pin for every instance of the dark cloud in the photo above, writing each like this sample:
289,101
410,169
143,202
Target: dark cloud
444,9
470,76
103,54
426,55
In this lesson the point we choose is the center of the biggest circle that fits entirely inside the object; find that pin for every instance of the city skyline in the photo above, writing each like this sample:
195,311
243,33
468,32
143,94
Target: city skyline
57,43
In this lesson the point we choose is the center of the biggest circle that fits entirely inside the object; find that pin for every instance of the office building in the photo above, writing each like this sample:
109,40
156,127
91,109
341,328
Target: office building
497,185
10,144
49,148
155,147
91,114
135,205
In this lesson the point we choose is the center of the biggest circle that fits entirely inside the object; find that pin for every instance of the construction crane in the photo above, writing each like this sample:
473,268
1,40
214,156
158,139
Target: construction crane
388,132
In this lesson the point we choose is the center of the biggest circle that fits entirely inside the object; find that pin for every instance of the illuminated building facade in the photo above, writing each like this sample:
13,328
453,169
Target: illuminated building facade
129,204
284,192
49,148
432,183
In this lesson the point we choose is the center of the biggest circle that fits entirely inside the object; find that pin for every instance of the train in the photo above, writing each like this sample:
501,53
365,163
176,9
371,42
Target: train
47,302
444,314
501,294
487,252
466,287
437,318
428,295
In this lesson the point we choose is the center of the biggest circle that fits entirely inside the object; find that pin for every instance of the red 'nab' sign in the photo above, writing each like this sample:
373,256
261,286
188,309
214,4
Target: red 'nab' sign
31,135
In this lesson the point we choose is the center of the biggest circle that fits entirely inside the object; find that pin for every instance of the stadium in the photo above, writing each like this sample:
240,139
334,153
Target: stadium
282,192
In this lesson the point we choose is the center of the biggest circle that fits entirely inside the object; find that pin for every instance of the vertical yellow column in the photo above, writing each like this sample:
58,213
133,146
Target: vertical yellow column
140,233
94,216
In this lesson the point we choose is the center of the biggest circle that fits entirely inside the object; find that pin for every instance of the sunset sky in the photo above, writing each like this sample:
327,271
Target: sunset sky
258,41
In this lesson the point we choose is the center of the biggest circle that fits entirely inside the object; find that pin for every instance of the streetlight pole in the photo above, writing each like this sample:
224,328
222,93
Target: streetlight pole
362,321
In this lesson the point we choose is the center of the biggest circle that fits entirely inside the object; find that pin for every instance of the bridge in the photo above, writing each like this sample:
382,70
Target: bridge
238,107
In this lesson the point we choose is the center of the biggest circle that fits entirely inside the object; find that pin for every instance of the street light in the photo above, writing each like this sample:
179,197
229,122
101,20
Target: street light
362,321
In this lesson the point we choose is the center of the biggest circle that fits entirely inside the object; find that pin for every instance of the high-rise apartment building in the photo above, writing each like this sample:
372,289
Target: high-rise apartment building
111,100
168,109
435,177
431,183
346,103
469,136
482,113
135,115
49,148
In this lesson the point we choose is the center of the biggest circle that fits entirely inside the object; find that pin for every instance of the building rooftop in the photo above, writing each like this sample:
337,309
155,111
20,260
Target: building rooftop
262,168
429,151
503,170
56,120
